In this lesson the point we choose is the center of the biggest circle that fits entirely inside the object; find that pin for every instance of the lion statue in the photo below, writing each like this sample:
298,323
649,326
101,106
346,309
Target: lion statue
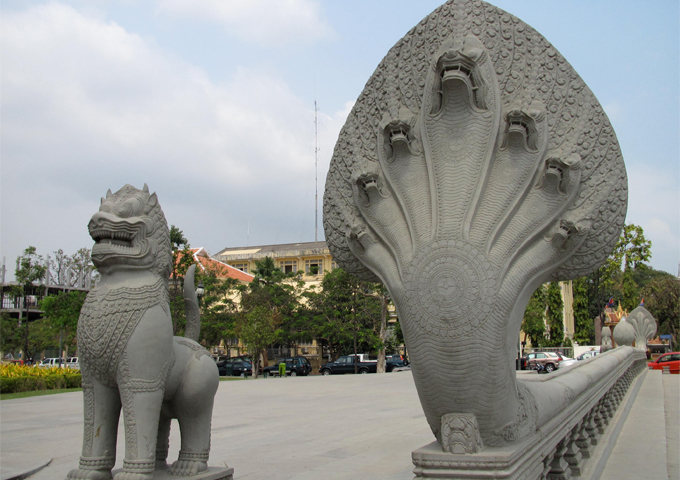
128,355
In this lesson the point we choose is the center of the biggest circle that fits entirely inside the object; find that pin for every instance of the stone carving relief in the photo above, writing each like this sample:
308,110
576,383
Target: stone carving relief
474,166
128,356
460,433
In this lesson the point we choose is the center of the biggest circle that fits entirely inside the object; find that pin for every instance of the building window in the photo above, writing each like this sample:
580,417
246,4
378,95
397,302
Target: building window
288,266
314,267
241,266
333,265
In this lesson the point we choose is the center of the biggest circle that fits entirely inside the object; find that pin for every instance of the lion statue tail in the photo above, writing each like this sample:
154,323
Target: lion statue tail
193,328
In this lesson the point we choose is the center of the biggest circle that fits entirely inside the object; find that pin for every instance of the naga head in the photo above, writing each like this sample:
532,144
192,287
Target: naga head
130,232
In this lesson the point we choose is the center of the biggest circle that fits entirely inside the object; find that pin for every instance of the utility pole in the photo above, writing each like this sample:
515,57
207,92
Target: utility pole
316,174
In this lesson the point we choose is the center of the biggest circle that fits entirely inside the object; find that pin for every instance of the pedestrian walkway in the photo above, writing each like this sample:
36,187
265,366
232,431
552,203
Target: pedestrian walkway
332,428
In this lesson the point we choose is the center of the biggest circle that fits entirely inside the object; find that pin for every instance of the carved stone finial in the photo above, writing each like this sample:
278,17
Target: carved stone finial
460,433
624,333
644,326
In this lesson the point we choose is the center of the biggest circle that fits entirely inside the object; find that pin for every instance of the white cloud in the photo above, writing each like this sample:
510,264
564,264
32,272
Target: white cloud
87,106
262,21
654,203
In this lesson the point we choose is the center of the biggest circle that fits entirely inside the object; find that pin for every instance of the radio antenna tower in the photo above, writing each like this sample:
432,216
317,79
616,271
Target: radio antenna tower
316,175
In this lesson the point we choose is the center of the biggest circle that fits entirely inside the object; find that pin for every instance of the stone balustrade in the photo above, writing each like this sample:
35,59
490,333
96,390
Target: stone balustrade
579,410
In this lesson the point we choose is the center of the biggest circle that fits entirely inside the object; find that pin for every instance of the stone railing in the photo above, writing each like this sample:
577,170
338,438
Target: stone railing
579,409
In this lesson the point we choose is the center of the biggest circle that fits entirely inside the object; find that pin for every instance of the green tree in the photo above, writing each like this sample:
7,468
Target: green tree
533,323
617,277
11,334
554,314
257,328
276,294
218,308
345,314
182,259
62,312
662,299
584,330
31,268
632,250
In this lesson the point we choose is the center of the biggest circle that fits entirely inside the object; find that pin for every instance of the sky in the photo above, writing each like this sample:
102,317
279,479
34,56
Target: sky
212,104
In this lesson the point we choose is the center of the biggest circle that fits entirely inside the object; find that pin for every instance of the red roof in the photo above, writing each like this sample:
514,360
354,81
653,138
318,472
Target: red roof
203,259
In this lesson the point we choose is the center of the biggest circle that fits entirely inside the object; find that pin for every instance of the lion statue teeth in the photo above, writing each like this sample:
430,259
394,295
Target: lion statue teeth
128,355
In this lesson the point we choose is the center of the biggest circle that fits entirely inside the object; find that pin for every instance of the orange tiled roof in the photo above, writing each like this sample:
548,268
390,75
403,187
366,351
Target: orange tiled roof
203,259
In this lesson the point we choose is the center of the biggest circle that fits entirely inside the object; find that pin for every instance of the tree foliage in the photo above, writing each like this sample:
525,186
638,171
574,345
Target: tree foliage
584,330
343,310
533,323
31,268
555,315
62,311
662,299
182,259
268,309
218,308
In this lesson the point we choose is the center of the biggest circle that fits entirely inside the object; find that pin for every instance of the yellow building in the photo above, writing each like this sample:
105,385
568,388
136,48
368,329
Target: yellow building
313,258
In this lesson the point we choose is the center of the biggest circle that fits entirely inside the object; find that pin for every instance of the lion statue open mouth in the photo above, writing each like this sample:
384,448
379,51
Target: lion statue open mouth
129,357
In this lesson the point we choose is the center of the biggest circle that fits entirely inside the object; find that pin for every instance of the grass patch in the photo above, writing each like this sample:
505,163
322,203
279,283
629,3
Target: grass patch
37,393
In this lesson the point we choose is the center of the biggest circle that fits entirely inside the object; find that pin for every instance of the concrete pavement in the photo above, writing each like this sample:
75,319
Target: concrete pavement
340,427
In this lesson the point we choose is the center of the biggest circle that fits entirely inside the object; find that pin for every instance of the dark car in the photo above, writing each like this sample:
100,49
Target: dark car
294,366
395,361
234,368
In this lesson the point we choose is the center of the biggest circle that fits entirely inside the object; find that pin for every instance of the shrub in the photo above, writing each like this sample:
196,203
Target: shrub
22,378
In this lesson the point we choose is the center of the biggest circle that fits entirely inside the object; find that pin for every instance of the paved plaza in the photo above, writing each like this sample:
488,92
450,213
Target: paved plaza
359,427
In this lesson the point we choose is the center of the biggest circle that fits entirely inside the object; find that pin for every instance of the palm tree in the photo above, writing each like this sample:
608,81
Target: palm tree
264,269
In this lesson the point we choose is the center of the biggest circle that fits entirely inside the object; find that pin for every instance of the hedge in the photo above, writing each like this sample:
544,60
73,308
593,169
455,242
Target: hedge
48,382
18,378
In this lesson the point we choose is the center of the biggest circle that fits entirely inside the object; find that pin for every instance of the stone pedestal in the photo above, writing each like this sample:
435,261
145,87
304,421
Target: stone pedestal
212,473
491,463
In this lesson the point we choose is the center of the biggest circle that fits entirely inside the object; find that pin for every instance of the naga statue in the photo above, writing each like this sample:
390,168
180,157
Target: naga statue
128,355
474,166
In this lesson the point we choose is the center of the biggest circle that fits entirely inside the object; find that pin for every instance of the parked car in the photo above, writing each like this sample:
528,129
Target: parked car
234,368
549,360
395,362
72,362
294,366
345,364
587,355
51,362
671,360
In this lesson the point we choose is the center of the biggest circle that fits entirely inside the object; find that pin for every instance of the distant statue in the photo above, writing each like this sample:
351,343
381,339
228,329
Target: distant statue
128,355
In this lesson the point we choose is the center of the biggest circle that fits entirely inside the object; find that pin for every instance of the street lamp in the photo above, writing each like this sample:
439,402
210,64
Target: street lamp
200,291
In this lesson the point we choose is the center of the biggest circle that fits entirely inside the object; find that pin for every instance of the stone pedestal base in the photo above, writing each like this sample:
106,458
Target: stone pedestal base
491,463
212,473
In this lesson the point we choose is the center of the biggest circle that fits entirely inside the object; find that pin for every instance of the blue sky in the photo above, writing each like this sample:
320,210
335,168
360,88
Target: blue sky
211,102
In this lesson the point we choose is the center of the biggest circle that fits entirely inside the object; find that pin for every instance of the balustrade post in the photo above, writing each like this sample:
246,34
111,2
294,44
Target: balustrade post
559,467
573,454
547,464
583,440
591,427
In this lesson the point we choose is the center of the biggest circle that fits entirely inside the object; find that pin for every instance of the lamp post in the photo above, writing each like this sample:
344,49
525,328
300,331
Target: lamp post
26,305
200,291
